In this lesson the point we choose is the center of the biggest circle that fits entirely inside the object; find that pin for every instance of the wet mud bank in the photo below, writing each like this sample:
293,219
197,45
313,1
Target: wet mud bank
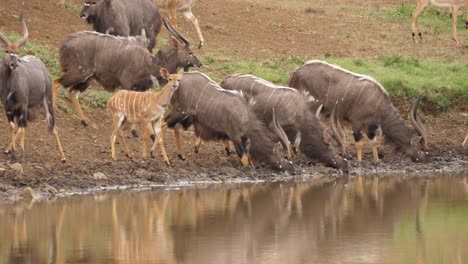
89,165
42,181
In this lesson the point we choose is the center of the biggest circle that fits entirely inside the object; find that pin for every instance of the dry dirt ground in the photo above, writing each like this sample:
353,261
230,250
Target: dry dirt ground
258,29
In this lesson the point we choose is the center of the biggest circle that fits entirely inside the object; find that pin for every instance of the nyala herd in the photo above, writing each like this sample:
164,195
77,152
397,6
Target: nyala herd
249,113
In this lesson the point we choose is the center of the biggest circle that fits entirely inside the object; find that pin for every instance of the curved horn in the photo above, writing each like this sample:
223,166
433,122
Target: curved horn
333,127
280,133
342,135
4,42
23,39
416,121
317,112
174,32
109,30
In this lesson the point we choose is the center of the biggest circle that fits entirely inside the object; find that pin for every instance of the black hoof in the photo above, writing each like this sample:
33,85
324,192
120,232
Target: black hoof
13,155
200,45
151,155
196,150
228,152
64,160
181,157
84,123
420,35
7,152
153,137
135,134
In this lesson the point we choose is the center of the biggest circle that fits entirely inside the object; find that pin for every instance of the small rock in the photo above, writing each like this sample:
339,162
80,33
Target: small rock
99,176
17,167
27,193
50,189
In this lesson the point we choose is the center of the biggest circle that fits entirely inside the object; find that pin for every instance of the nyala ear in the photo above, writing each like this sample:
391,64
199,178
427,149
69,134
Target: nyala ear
181,71
164,73
174,43
415,141
326,137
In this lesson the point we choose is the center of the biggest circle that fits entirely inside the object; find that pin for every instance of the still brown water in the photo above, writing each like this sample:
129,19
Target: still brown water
360,220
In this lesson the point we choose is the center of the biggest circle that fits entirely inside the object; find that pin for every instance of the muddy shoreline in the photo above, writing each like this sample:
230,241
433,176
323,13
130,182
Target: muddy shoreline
44,182
89,164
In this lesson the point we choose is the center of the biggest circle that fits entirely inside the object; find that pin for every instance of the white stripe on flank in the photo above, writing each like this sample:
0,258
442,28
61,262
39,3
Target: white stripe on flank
437,4
266,83
214,84
124,106
360,76
134,102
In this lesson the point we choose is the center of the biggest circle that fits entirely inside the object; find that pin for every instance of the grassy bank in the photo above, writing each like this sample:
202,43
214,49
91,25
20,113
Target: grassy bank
445,82
432,20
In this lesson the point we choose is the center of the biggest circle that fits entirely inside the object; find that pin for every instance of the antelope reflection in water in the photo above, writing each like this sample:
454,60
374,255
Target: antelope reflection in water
370,219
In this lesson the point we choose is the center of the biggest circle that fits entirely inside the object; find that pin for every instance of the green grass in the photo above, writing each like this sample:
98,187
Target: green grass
446,82
72,6
432,20
48,55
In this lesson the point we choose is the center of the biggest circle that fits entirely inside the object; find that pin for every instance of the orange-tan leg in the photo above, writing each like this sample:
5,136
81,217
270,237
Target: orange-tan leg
159,140
179,148
198,142
59,145
163,150
414,20
189,15
359,150
12,147
74,97
116,123
245,160
55,87
454,25
375,153
21,134
124,145
466,140
227,147
145,127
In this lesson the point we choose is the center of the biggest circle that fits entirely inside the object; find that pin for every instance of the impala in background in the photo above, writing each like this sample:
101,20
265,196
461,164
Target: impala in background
454,6
185,7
